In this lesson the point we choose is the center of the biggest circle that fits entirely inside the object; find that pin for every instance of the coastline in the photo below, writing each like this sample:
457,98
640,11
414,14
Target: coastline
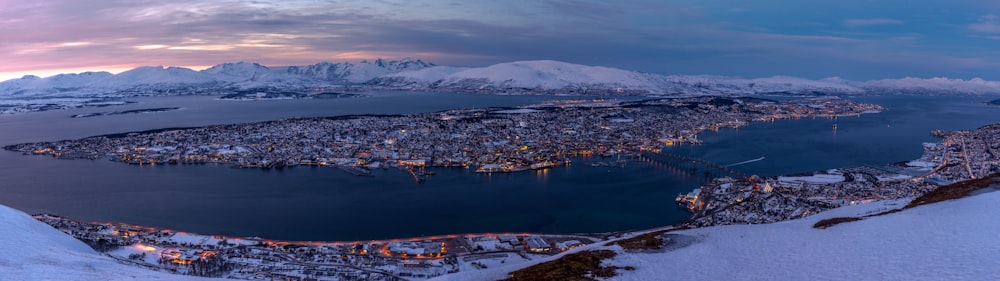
419,257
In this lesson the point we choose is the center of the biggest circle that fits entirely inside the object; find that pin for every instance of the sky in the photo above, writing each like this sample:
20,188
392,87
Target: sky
851,39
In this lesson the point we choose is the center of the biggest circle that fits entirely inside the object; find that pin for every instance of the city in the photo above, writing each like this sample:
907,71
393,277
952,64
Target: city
499,140
488,139
255,258
959,156
485,139
726,200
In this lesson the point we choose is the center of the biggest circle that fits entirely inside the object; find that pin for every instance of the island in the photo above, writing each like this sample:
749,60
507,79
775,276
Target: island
960,156
270,94
124,112
485,139
494,140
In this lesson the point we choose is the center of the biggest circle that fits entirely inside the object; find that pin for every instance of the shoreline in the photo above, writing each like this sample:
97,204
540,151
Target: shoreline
626,127
418,257
754,200
443,262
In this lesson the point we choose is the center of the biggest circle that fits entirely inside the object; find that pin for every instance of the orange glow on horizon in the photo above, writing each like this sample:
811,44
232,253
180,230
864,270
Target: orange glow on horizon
114,69
290,56
4,76
355,56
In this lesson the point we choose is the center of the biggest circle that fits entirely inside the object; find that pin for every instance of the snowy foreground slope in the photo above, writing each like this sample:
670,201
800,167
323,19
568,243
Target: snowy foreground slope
951,240
32,250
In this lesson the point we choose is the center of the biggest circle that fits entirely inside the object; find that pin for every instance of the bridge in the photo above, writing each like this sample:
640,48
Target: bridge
693,164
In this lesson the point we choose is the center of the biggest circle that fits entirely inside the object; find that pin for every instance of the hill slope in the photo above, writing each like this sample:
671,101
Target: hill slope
346,72
32,250
950,240
549,76
539,76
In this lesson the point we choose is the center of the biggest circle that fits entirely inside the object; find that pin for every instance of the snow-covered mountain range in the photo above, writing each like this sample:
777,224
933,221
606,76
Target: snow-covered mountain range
356,73
521,77
560,77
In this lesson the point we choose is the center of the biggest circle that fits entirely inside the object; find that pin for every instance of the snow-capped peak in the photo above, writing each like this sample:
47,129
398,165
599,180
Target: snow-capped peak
975,86
55,83
363,71
536,76
236,71
253,75
549,76
149,75
539,75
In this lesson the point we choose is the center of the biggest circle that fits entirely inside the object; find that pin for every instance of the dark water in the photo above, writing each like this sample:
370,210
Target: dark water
803,145
201,111
306,203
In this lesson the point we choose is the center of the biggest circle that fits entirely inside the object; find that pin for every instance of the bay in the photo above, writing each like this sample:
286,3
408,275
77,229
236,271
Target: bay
309,203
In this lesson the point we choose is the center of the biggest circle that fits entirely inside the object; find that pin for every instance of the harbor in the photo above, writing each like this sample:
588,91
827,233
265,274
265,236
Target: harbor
214,198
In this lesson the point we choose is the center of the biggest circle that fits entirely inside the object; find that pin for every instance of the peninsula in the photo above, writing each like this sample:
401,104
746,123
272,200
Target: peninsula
485,139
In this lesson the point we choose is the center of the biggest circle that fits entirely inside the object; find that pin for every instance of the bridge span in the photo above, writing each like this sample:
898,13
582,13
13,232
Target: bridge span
693,163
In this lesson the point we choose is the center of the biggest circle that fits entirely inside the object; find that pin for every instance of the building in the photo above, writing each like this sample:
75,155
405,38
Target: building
537,244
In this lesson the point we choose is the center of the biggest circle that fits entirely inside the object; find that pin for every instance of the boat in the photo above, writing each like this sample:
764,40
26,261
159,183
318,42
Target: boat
542,165
489,168
512,168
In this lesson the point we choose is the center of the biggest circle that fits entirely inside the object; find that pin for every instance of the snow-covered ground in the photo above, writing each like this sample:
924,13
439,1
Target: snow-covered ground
32,250
817,178
951,240
517,111
921,164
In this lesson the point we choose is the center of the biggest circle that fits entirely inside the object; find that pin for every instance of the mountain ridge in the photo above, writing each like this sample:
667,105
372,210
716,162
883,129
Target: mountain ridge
518,77
346,72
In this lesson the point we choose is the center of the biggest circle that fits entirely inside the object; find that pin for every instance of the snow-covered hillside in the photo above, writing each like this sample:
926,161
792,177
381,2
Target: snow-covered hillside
909,85
950,240
155,80
30,85
246,75
532,77
32,250
347,72
555,76
546,76
159,80
528,75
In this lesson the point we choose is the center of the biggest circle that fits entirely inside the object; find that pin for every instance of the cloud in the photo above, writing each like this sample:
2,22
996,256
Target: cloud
855,23
987,24
646,35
